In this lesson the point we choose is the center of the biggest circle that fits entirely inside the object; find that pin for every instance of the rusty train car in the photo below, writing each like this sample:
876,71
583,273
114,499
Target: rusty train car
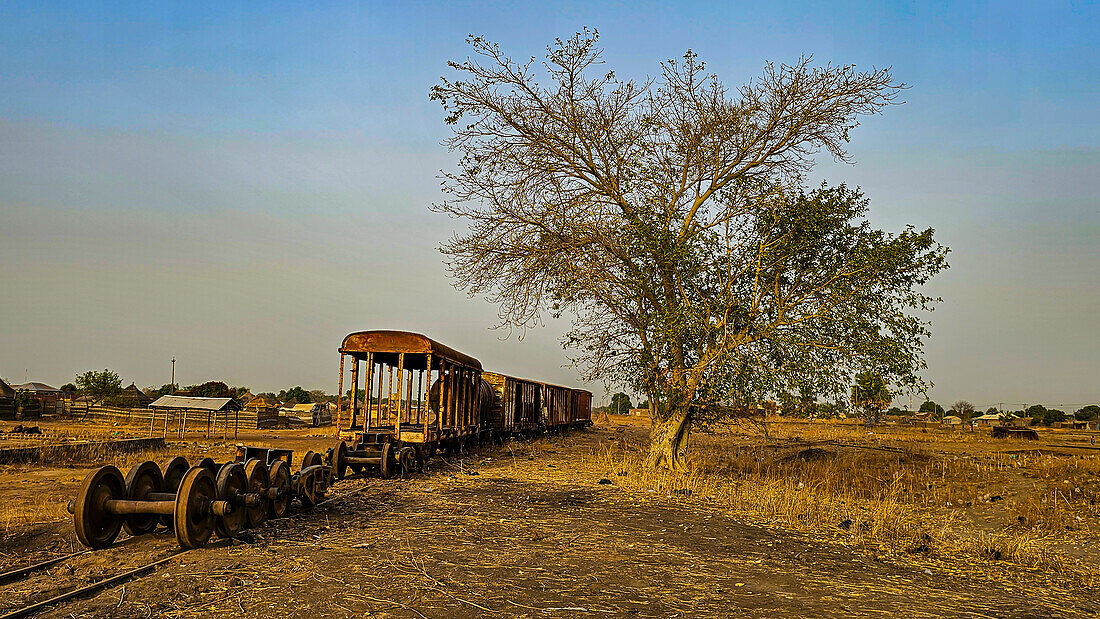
411,398
420,396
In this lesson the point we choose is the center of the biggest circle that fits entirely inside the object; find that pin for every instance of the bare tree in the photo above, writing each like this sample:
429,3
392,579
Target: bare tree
964,409
669,220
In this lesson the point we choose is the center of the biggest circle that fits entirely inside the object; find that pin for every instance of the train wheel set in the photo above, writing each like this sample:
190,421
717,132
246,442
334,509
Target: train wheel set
195,501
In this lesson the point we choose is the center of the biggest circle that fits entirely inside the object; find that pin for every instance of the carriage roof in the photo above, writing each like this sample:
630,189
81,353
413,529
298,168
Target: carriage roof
360,343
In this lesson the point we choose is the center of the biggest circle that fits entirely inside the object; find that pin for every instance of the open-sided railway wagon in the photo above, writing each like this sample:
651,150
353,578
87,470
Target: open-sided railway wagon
420,396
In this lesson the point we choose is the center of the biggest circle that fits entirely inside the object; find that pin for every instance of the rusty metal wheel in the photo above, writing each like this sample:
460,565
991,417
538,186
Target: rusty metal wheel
307,489
209,464
172,474
256,472
194,518
279,476
95,526
142,479
307,460
231,483
389,461
340,460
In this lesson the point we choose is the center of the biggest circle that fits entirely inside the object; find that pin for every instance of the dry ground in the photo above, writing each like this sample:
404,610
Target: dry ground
528,529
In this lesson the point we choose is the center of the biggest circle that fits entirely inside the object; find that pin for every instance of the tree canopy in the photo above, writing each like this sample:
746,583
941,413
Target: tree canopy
671,220
931,407
295,393
620,404
211,389
103,385
1087,413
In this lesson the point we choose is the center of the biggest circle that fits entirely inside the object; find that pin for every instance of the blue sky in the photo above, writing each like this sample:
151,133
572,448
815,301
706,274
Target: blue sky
240,184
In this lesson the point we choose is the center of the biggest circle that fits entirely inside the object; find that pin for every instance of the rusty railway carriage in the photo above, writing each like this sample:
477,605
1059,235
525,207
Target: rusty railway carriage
517,407
420,396
566,408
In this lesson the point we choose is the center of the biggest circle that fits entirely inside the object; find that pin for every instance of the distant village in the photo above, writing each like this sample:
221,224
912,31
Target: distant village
102,397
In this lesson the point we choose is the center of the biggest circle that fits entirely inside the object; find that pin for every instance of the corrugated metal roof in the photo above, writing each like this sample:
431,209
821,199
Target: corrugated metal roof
191,403
33,386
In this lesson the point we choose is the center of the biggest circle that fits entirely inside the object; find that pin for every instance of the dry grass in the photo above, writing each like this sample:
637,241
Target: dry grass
896,490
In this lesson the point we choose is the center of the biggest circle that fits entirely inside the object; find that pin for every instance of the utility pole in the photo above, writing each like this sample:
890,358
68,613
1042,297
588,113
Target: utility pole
172,385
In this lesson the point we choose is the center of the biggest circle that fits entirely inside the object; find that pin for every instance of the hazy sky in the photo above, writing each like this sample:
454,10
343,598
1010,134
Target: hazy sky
242,184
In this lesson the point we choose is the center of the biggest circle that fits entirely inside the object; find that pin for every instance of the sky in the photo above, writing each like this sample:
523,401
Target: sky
239,185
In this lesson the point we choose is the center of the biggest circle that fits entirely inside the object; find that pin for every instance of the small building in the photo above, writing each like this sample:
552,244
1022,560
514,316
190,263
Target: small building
132,397
952,420
204,413
6,390
42,392
261,412
919,418
991,419
313,414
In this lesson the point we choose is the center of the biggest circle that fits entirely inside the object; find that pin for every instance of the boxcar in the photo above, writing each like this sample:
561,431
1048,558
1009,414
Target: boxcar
517,405
565,407
417,396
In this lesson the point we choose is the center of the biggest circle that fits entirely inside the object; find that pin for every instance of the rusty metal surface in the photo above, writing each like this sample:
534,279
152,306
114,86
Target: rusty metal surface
360,343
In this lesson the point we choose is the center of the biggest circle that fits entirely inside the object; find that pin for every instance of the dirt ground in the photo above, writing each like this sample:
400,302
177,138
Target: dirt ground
517,530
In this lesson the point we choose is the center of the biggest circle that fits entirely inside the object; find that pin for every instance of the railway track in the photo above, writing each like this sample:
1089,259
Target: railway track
58,595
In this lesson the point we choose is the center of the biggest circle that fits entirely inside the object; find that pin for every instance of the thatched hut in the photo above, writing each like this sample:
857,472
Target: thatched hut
132,397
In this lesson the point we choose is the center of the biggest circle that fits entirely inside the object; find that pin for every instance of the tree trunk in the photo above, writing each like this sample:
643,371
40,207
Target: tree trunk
668,437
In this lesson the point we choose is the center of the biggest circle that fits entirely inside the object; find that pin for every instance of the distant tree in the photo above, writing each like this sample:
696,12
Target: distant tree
1088,413
211,389
827,410
104,386
361,398
992,410
1052,416
870,395
295,393
165,389
238,392
620,404
807,402
69,389
1037,412
318,395
643,404
931,407
895,411
963,410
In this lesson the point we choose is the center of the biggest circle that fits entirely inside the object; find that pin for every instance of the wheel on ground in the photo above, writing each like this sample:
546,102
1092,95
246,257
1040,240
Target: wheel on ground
172,473
307,460
389,461
209,464
95,526
279,476
340,460
256,472
309,490
140,481
313,459
231,483
194,519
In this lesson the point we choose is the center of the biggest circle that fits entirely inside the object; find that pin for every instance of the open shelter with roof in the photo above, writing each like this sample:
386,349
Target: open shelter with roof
178,410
